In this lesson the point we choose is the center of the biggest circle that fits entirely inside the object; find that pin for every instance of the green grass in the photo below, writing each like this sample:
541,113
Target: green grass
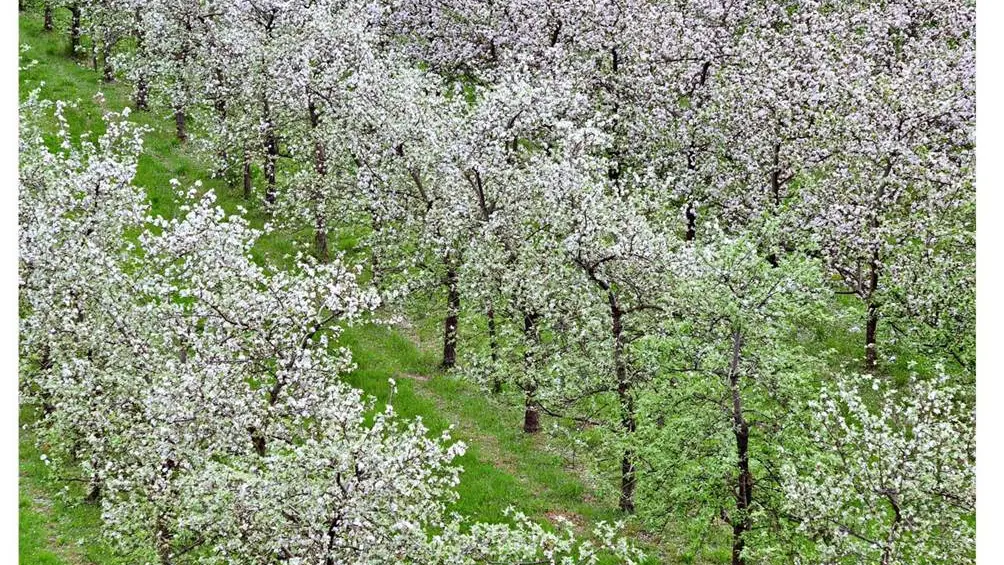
56,527
502,466
33,535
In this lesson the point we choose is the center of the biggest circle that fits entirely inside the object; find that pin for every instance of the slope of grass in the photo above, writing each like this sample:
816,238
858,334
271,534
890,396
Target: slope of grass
33,535
54,526
502,467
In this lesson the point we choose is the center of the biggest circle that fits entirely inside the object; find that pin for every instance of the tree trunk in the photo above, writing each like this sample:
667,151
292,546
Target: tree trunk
74,29
691,210
871,329
45,359
142,92
321,239
321,168
493,346
48,16
258,441
624,396
163,538
452,315
45,364
246,171
628,471
531,416
108,71
271,155
871,339
94,494
142,88
220,106
691,222
890,540
179,124
775,193
744,479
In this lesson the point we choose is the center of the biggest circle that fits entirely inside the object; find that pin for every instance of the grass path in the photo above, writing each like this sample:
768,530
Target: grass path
502,466
54,528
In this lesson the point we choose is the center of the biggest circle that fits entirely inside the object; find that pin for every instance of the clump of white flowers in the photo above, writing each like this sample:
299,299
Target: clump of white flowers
892,478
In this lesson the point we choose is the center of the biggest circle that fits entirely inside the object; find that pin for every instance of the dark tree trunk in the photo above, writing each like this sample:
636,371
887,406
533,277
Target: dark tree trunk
871,328
142,93
321,168
163,538
44,364
493,346
258,441
626,400
259,435
744,478
74,30
94,494
45,360
624,393
321,239
246,173
452,315
271,155
375,269
531,414
775,193
220,106
108,71
691,222
691,210
775,179
871,338
628,471
142,88
47,8
890,539
179,124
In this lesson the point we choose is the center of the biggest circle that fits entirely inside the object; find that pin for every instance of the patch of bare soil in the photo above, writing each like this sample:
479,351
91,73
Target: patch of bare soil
561,518
415,376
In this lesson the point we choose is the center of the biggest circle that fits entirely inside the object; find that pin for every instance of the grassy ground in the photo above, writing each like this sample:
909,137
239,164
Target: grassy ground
54,527
502,466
